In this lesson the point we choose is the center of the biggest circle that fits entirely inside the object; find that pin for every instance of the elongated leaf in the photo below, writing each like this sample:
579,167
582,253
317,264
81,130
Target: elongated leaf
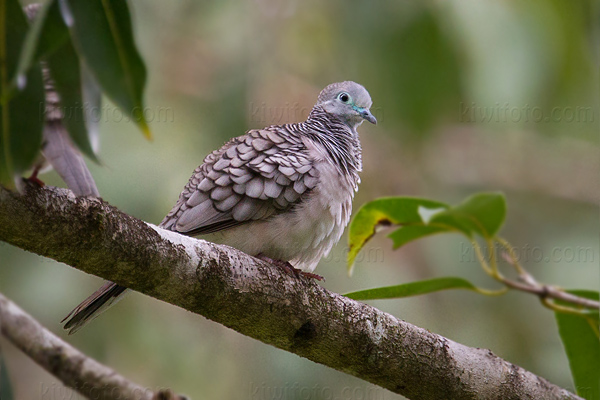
21,115
49,40
92,100
413,289
102,34
413,232
582,345
64,65
6,392
481,214
387,211
46,34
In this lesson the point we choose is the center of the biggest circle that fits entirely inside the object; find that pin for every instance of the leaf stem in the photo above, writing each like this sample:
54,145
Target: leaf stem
493,262
481,258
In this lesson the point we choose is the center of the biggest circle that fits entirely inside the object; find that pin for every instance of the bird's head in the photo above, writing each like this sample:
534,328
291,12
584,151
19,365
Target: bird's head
349,101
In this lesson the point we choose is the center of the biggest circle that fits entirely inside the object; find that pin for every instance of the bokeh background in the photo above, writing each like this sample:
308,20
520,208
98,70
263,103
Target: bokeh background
470,96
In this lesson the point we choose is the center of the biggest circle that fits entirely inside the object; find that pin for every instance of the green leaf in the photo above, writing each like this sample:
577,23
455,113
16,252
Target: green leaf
384,212
413,289
481,214
46,34
92,99
580,339
6,392
48,40
66,71
102,33
412,232
21,115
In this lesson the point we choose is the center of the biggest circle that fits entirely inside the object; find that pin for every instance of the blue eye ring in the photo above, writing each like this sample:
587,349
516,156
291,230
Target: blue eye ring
344,97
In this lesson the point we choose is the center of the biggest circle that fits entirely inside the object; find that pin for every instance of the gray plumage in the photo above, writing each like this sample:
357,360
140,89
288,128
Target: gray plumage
282,192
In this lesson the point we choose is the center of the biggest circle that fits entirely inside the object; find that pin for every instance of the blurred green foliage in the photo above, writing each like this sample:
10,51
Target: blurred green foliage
20,137
83,46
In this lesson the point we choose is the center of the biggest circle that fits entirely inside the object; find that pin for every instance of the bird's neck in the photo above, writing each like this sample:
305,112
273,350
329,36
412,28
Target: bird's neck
339,140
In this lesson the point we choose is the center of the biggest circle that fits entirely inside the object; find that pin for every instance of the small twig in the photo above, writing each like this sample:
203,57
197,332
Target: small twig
73,368
528,283
514,260
531,285
546,292
559,294
524,276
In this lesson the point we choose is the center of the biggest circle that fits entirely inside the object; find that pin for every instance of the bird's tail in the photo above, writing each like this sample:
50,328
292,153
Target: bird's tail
102,299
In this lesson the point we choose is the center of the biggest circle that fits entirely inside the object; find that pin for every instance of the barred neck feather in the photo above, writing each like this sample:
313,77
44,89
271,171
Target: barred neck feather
339,140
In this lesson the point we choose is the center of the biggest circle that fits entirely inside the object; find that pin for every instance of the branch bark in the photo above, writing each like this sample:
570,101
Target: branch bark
73,368
257,300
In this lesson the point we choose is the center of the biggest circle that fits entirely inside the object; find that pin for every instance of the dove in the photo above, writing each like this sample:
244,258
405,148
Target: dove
282,193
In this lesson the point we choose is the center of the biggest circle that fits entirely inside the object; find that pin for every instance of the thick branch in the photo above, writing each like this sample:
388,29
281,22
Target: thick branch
257,300
73,368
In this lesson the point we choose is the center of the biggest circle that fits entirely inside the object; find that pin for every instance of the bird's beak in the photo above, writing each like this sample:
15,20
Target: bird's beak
366,114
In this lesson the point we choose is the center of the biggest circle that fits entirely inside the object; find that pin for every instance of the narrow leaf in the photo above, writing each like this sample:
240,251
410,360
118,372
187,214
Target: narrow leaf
46,34
6,392
48,40
21,115
413,289
409,233
102,33
66,72
92,100
580,339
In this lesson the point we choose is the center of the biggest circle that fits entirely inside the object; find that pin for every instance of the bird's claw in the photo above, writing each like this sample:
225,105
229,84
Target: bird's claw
34,177
289,268
311,275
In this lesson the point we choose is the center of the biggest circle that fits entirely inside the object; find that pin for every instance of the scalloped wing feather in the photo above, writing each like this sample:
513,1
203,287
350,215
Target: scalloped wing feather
251,177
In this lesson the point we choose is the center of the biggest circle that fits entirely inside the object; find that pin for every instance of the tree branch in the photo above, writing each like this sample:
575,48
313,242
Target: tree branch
547,291
260,301
73,368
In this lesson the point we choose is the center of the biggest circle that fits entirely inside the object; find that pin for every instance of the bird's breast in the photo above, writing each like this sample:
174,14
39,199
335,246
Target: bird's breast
304,234
317,223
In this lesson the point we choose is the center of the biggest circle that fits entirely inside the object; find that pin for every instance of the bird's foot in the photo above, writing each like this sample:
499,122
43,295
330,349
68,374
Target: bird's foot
289,268
34,177
311,275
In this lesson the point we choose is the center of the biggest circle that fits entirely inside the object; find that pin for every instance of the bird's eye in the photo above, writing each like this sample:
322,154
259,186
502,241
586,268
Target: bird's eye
344,97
